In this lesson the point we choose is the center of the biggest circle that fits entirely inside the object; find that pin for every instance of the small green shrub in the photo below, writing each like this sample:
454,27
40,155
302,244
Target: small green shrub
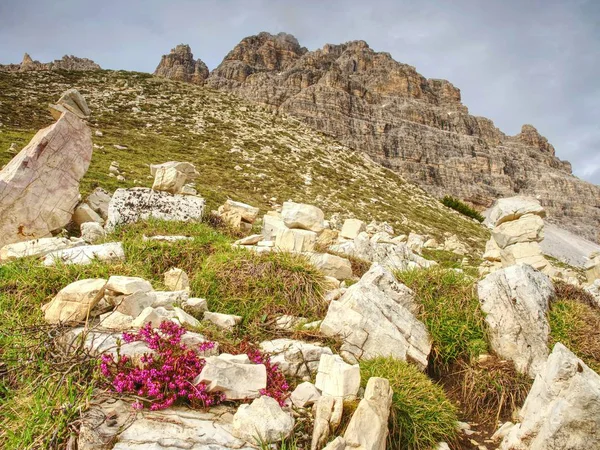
463,208
421,415
451,312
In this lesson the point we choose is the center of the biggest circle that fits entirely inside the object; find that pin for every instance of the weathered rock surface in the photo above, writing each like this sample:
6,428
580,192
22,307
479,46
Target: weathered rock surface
414,125
337,378
328,415
562,410
226,321
99,200
236,380
295,358
516,300
86,254
37,247
296,240
305,394
395,256
92,232
352,227
368,428
176,280
262,421
169,179
375,317
302,216
172,428
74,302
332,265
131,205
180,65
39,188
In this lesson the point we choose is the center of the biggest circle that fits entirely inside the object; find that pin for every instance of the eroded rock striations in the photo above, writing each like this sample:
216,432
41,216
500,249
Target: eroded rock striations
180,65
67,62
414,125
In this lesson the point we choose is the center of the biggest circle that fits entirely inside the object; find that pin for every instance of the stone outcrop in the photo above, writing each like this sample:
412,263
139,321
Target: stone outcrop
413,125
375,317
562,409
262,421
39,188
180,65
74,302
131,205
517,229
515,301
67,62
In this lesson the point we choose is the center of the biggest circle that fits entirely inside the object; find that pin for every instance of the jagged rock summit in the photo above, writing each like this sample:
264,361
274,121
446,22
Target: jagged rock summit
67,62
414,125
180,65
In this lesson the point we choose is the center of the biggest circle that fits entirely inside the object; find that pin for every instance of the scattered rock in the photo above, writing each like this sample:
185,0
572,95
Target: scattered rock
337,378
237,380
262,421
134,303
250,240
92,232
128,285
368,428
116,321
226,321
176,280
562,409
185,319
271,225
84,213
296,241
188,169
86,254
375,317
295,358
98,200
37,247
515,301
71,101
131,205
306,217
74,302
332,265
195,306
169,179
328,415
305,394
513,208
351,228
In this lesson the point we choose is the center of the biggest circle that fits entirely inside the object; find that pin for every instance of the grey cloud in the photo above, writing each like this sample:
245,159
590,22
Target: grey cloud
515,61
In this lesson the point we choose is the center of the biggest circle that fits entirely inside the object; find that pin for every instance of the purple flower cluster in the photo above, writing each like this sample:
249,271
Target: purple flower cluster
163,376
277,386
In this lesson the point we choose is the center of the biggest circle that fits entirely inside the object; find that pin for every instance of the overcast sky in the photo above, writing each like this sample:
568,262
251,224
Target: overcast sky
515,61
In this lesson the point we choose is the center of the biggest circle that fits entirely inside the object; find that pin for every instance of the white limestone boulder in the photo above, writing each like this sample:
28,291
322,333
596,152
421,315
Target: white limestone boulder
98,200
37,247
305,394
512,208
300,215
337,378
332,265
295,358
176,280
39,187
528,228
237,380
131,205
128,285
516,301
375,317
225,321
84,213
186,168
352,227
169,179
296,241
92,232
74,302
111,251
562,410
262,421
368,427
271,224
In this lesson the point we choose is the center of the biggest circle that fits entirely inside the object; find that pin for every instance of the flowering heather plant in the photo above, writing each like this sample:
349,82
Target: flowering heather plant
164,376
277,386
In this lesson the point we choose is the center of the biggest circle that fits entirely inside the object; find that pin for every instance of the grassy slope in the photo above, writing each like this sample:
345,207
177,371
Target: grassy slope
160,120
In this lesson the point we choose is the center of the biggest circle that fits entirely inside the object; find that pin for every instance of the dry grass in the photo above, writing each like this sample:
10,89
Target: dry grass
572,293
487,391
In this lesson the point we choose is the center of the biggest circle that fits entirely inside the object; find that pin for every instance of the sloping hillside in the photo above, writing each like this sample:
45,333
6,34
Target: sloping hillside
242,150
416,126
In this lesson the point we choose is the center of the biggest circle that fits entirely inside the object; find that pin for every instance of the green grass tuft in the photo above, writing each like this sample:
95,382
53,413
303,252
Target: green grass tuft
451,312
421,415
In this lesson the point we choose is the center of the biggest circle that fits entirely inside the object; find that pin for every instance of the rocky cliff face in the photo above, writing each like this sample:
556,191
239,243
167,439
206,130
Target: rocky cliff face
180,65
67,62
414,125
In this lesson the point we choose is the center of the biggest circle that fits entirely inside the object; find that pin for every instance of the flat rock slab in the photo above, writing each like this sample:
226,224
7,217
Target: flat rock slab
86,254
39,188
132,205
173,428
